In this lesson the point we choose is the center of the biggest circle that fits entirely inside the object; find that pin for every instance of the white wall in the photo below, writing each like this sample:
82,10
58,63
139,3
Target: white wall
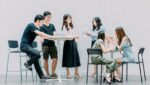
133,15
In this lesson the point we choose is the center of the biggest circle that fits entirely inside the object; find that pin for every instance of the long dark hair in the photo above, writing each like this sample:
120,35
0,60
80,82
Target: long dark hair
120,34
101,35
65,23
98,22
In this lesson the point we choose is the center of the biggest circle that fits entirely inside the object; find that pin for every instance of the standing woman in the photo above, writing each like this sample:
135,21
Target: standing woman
97,27
70,50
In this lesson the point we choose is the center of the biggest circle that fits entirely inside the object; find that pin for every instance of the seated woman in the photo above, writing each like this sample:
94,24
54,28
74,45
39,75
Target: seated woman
123,44
111,64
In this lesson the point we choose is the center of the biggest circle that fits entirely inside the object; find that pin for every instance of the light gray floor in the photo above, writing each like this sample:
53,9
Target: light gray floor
14,80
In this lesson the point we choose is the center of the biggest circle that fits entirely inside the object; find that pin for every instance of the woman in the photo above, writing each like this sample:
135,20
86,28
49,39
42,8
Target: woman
97,27
123,44
70,51
111,64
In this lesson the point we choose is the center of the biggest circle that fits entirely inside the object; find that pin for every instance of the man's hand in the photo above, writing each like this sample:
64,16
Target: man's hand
42,40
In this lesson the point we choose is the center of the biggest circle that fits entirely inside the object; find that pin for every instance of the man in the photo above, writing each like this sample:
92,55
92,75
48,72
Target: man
48,46
30,33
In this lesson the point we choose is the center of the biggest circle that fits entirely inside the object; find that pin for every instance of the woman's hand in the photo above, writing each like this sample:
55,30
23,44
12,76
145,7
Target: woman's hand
76,37
87,33
111,49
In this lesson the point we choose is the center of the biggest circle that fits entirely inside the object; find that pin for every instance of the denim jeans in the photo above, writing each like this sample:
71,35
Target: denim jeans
34,56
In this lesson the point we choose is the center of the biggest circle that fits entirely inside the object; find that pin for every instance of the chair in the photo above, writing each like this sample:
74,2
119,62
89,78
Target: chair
139,62
95,52
14,49
34,44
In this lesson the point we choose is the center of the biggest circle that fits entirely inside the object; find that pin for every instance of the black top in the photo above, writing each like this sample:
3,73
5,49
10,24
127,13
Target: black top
28,35
50,31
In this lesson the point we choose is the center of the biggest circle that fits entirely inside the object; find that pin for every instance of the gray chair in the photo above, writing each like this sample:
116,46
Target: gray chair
95,52
14,49
138,62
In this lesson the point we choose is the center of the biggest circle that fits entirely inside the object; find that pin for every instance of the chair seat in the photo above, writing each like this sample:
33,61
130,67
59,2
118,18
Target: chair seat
96,64
19,52
136,62
16,52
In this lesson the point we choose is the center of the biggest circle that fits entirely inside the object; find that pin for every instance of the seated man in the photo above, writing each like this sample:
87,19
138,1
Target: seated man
30,33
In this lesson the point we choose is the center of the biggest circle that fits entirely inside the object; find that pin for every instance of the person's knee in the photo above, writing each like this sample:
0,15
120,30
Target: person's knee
38,56
45,60
119,61
55,59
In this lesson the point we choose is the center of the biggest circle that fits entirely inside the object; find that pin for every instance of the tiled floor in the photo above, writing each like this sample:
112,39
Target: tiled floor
14,80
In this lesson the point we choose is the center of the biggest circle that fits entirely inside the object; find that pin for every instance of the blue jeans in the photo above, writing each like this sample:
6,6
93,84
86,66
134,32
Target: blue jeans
34,56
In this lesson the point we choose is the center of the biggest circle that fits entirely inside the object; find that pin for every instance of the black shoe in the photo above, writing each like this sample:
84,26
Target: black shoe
54,76
116,79
104,80
43,79
28,66
108,80
48,76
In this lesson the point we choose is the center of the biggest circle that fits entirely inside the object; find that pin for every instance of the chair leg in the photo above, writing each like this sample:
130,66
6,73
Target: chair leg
87,73
122,73
20,68
26,71
101,76
127,71
26,75
96,73
144,71
32,76
36,76
140,72
7,68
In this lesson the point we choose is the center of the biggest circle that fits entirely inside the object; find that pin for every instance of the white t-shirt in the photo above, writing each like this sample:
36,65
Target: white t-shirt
94,34
68,32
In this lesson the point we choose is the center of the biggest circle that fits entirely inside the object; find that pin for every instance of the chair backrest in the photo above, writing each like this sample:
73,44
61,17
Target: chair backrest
141,51
13,44
34,44
91,51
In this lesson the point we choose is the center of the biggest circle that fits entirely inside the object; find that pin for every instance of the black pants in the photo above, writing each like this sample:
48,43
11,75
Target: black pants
34,56
92,43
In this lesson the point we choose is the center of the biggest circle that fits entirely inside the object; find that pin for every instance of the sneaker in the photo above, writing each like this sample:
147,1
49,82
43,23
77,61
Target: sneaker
43,79
48,76
28,66
54,76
